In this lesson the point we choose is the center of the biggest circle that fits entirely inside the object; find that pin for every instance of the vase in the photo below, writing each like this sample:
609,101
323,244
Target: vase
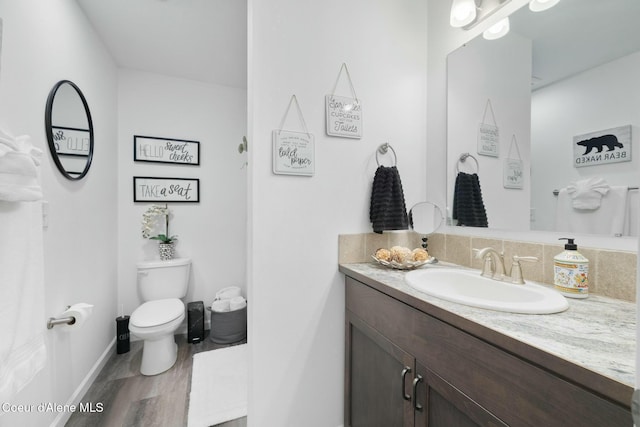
167,250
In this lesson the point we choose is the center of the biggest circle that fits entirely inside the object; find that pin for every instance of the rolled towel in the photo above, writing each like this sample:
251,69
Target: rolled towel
228,293
19,161
587,193
237,303
220,305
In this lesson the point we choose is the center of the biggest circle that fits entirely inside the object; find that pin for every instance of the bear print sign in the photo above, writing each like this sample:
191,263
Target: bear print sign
602,147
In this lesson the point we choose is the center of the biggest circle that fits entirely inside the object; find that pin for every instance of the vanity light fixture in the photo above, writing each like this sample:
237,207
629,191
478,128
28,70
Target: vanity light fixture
499,29
540,5
463,13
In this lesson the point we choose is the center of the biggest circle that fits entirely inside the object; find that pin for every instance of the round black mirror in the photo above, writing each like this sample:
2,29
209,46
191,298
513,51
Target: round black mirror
69,129
425,217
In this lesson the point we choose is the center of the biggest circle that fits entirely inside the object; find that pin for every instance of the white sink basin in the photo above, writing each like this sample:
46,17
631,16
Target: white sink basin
470,288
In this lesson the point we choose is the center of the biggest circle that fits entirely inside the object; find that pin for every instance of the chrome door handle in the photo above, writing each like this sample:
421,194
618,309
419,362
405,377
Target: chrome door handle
416,405
405,371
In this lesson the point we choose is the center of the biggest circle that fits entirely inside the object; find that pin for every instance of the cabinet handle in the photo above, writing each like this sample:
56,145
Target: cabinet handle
416,405
405,371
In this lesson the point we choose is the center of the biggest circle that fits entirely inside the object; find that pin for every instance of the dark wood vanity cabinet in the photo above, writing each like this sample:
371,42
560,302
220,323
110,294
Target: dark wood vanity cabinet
379,379
408,368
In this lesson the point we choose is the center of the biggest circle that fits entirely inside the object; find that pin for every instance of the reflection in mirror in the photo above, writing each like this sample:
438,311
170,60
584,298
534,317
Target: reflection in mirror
558,76
425,217
69,130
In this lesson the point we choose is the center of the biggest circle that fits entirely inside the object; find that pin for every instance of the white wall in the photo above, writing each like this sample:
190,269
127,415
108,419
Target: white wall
502,75
44,42
213,232
605,97
296,295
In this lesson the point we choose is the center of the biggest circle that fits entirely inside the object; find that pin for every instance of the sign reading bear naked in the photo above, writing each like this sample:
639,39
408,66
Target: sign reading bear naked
602,147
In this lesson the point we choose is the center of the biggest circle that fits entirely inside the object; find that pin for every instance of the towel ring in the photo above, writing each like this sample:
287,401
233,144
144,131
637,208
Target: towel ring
463,157
384,149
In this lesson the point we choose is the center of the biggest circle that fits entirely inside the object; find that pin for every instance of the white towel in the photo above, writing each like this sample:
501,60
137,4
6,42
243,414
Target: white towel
610,218
228,293
18,169
587,193
220,305
22,312
237,303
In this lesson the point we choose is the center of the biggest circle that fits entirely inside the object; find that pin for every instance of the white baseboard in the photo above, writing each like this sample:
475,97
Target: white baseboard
82,389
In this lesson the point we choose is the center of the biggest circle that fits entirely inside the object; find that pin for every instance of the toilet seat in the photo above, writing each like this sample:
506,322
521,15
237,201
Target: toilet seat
157,313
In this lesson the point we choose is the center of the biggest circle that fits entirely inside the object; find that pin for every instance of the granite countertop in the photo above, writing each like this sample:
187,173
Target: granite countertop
596,333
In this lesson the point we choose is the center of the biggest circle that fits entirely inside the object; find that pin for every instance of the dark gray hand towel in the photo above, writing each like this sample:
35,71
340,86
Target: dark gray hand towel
387,210
468,207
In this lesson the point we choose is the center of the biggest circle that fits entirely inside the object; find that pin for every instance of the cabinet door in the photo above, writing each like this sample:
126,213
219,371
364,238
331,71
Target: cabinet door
378,379
439,404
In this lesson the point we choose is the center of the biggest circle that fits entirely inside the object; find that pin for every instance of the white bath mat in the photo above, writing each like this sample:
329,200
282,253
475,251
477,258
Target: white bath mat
218,386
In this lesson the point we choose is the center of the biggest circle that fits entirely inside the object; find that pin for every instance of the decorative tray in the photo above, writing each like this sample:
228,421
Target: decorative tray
407,265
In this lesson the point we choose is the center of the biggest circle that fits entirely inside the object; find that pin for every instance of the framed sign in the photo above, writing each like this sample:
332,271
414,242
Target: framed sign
152,189
488,140
344,116
71,141
165,150
512,171
488,134
602,147
512,174
293,153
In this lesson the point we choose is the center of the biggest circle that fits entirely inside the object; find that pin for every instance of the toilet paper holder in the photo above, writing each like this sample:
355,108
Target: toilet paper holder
61,320
74,315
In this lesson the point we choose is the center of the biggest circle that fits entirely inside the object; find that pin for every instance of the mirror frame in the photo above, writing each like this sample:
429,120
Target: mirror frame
435,206
48,128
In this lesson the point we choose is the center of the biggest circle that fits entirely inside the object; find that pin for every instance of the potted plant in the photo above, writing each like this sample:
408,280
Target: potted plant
166,242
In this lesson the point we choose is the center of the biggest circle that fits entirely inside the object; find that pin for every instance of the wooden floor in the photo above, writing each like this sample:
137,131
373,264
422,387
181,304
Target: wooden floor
133,400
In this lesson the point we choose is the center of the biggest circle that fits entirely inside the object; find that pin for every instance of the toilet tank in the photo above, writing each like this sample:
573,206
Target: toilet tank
163,279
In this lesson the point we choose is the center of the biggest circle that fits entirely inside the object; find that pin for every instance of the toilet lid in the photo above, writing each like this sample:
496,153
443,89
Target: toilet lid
158,312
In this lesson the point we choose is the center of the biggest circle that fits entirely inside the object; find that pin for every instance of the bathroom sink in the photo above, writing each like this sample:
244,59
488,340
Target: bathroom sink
470,288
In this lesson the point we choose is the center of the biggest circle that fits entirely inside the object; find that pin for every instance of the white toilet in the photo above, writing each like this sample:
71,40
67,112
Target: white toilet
161,285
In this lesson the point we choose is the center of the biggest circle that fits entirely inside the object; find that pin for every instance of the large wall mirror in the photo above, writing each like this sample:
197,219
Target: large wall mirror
559,74
69,130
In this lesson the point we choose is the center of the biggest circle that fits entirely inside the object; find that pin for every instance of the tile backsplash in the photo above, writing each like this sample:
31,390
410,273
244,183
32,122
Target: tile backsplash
611,273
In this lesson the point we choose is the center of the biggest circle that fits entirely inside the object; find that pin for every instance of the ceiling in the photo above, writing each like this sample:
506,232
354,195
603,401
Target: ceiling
577,35
202,40
206,40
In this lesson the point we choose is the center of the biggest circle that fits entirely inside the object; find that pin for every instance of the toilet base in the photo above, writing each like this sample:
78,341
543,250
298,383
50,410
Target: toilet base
158,355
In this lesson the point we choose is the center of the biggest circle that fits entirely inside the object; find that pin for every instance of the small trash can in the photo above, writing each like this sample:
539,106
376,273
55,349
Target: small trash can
195,322
229,326
122,334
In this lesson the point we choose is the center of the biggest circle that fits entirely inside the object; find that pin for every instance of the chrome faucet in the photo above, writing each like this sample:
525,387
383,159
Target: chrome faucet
493,266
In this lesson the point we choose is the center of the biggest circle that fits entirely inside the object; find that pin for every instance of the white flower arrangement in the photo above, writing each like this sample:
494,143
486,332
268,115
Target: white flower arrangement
149,220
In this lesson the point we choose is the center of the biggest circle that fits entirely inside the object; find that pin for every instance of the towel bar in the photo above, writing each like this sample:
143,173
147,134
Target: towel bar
383,149
463,157
556,191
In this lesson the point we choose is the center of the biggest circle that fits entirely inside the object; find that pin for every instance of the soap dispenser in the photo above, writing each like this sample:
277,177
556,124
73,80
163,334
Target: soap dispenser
571,271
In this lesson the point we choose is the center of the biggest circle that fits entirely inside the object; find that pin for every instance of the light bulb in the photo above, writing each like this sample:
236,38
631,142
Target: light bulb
540,5
463,12
500,29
